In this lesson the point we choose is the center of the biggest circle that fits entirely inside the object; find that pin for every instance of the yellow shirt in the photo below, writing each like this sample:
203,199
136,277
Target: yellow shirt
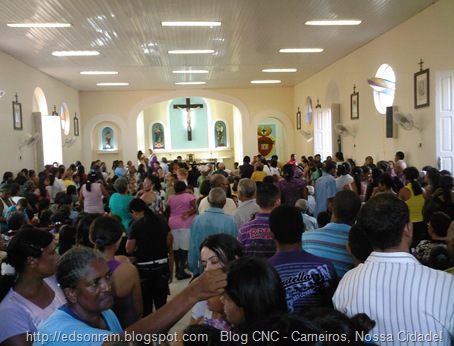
258,176
415,204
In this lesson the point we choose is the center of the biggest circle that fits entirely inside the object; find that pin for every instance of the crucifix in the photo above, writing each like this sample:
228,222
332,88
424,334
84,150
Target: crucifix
188,107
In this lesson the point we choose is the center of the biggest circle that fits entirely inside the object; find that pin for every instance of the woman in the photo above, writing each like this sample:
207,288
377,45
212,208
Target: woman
105,234
254,291
158,170
91,195
119,202
42,191
182,211
142,159
442,199
150,193
32,294
84,276
432,179
292,189
6,202
216,251
152,253
385,185
413,195
259,173
246,169
344,179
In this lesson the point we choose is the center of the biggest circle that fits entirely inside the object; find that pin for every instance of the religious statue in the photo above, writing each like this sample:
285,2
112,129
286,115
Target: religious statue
158,142
107,138
188,107
220,134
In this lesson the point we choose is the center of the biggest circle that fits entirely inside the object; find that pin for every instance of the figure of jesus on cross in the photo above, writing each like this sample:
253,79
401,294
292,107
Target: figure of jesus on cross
188,107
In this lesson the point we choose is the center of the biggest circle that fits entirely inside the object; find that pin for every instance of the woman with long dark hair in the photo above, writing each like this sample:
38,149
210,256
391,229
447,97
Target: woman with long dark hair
92,194
413,195
150,241
29,293
292,189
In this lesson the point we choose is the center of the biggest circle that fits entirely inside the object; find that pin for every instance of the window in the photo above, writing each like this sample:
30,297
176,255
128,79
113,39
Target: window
384,85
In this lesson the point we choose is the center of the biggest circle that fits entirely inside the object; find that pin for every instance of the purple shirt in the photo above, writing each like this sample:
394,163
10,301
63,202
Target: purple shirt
256,237
291,190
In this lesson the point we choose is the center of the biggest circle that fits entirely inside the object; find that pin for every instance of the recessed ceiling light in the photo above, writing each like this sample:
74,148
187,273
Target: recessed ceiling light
333,22
39,25
192,51
271,81
99,72
191,23
279,70
111,84
76,53
190,83
190,71
301,50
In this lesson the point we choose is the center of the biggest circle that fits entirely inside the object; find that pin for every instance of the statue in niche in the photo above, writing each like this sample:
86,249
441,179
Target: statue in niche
108,138
220,132
158,136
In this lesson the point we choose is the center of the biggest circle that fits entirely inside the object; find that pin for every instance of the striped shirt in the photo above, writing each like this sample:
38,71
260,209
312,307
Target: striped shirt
330,242
411,304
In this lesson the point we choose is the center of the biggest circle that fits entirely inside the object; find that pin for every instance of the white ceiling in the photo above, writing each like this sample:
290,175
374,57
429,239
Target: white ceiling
248,41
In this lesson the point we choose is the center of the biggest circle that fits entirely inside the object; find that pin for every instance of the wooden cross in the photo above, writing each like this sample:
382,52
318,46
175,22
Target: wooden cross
420,63
188,107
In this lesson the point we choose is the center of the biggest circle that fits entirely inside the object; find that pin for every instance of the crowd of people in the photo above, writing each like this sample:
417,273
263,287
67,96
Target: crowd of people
360,254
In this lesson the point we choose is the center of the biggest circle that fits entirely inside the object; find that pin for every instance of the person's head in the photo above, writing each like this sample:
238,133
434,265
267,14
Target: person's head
121,185
21,204
105,231
288,171
323,218
358,245
218,180
179,186
259,166
217,197
369,160
439,224
217,250
339,156
246,159
385,182
204,189
286,224
138,208
302,205
84,277
254,291
182,174
83,230
385,220
399,166
346,205
383,165
66,239
16,220
246,188
5,190
399,156
33,249
330,167
268,196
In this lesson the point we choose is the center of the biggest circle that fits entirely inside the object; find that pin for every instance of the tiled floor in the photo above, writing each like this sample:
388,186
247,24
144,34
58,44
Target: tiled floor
175,287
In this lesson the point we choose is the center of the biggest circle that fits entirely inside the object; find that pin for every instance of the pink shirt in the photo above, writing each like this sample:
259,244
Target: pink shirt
180,204
93,199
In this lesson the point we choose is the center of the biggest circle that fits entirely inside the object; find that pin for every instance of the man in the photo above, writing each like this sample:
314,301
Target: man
151,160
310,222
309,281
221,169
211,221
120,170
339,158
164,166
325,187
330,241
255,235
218,180
410,303
248,206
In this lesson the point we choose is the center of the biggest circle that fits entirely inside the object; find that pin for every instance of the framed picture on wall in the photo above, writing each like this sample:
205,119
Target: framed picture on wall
76,126
17,115
354,105
298,119
422,89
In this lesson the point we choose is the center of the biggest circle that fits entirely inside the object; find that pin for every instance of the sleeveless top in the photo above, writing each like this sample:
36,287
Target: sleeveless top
415,204
123,307
93,199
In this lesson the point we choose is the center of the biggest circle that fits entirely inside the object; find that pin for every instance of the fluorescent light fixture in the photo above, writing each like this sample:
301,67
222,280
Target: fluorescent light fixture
76,53
190,83
301,50
333,22
191,23
98,72
271,81
279,70
190,71
39,25
192,51
111,84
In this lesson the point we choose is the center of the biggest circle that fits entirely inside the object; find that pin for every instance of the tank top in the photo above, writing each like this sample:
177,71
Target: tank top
415,204
123,307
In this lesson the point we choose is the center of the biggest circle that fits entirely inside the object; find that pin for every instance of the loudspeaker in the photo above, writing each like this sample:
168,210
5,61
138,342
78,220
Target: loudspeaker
391,126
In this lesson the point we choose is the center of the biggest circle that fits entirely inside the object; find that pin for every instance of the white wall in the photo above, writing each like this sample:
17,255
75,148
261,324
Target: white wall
428,36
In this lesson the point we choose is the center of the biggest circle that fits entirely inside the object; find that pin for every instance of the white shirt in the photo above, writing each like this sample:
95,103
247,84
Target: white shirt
402,296
228,209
